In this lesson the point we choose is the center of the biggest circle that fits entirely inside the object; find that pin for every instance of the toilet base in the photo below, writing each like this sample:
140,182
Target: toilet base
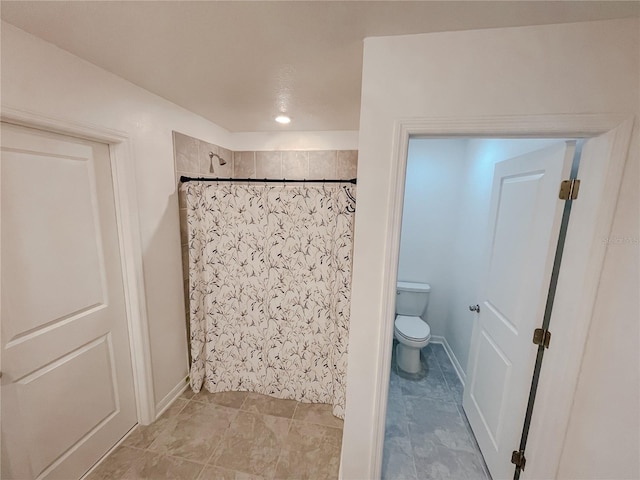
408,358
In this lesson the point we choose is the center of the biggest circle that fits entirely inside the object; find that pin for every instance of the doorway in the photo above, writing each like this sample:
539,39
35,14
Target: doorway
603,160
451,221
68,389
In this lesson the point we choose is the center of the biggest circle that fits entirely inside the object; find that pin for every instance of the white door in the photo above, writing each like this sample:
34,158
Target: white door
67,388
524,224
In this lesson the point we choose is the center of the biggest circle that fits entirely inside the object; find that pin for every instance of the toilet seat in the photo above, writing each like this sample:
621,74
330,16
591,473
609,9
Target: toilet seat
413,329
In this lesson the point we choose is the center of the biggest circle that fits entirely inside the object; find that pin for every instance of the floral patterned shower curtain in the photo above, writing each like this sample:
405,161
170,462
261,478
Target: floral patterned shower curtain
270,288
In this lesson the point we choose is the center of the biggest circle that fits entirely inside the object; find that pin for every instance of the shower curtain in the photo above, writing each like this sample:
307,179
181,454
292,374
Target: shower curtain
270,287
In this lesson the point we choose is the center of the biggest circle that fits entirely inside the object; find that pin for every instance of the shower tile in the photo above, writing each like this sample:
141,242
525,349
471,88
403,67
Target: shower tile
252,444
182,194
322,164
153,466
195,432
225,171
211,472
347,164
244,165
310,451
185,262
295,165
397,460
144,435
185,287
116,464
186,153
184,227
226,399
266,405
319,413
268,165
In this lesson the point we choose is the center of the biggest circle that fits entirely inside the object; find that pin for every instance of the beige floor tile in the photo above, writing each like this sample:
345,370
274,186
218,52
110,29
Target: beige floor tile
310,452
144,435
152,466
187,394
252,444
319,413
212,472
195,433
239,444
266,405
116,464
226,399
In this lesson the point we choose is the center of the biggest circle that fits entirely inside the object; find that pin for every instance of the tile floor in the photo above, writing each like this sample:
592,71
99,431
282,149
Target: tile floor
230,436
427,433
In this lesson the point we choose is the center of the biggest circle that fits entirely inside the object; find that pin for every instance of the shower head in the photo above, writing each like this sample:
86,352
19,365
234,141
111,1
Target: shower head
221,160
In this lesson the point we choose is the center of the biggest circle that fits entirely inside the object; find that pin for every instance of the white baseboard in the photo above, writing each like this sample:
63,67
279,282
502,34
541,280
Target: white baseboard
447,348
170,397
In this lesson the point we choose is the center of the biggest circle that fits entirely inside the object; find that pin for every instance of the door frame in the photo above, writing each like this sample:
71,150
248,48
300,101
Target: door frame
125,199
557,387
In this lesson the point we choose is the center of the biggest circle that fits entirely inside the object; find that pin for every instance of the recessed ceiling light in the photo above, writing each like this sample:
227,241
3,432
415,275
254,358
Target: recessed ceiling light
283,119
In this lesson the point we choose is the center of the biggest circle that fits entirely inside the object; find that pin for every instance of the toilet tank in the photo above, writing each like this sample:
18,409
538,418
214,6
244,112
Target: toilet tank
412,298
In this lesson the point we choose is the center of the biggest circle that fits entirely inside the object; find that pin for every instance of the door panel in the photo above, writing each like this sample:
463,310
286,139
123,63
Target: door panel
65,349
524,223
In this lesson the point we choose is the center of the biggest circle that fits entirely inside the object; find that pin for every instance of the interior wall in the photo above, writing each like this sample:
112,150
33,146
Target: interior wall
330,140
429,221
41,78
578,68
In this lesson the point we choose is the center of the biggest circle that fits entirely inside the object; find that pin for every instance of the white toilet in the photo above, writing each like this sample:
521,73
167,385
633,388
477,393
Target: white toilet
411,331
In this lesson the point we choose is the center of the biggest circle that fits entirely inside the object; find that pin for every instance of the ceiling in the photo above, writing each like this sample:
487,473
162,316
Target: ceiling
240,63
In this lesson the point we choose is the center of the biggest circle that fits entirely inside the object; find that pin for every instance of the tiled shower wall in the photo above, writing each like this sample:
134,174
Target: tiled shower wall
192,160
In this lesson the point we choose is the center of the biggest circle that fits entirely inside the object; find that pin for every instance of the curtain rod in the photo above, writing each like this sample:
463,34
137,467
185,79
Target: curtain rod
184,179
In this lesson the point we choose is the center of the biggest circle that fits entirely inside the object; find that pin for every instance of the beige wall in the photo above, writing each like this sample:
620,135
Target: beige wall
555,69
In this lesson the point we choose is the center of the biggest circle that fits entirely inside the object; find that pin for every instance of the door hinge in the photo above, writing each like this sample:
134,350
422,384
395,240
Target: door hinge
542,337
569,189
517,458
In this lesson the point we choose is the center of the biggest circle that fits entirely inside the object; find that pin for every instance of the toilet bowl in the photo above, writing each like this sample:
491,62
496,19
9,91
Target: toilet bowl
411,331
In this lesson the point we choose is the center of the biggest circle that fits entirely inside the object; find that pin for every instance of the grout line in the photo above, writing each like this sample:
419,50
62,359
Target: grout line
244,401
224,436
199,476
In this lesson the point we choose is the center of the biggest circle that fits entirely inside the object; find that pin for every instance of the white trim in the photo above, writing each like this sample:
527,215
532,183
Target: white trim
557,381
171,397
123,173
578,282
452,357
